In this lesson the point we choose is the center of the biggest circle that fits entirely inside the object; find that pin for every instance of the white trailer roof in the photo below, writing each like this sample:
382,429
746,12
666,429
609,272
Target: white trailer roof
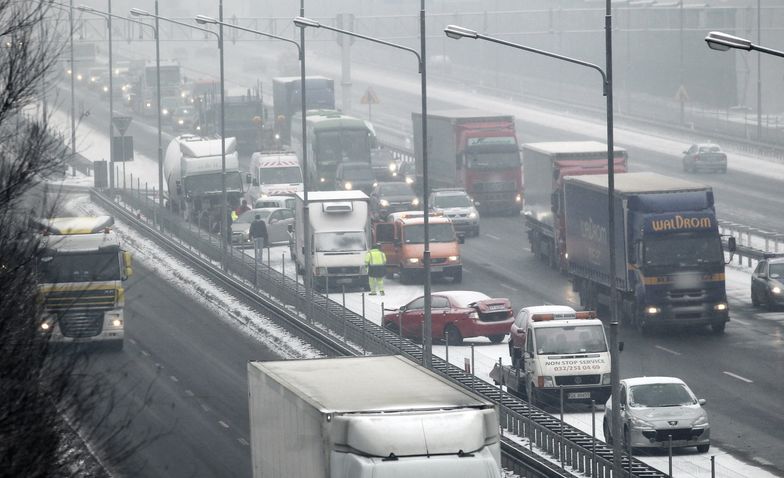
463,113
640,183
367,384
569,147
322,196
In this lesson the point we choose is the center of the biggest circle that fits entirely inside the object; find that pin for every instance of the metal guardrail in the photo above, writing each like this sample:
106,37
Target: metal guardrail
753,243
357,335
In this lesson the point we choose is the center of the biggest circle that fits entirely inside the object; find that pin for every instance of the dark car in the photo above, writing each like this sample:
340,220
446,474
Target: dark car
354,176
704,157
384,164
389,197
460,314
767,283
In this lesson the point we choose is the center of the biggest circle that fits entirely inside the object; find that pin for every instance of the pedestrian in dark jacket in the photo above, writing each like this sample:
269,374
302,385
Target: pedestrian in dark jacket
258,232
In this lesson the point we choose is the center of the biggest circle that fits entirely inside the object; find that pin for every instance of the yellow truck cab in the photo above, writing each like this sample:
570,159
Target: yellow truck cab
401,237
80,273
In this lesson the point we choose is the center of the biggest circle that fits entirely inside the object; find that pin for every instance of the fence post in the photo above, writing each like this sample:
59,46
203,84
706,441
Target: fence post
473,367
713,466
560,437
344,313
364,339
446,344
593,438
500,395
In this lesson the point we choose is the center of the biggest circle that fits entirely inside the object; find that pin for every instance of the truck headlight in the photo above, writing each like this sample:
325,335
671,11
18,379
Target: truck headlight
652,310
415,202
392,167
117,322
45,325
384,203
775,289
721,306
454,258
348,185
606,379
519,198
413,260
105,89
180,121
409,180
322,180
165,111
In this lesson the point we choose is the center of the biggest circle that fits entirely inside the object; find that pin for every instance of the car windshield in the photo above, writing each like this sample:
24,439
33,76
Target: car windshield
683,250
396,189
355,173
494,160
340,241
342,145
660,395
57,268
451,200
570,339
288,174
249,216
211,183
776,271
415,234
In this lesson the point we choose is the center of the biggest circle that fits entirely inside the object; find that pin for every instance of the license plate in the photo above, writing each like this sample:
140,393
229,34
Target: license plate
436,269
578,395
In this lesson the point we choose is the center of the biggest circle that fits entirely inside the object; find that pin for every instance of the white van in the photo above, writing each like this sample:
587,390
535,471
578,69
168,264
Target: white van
275,173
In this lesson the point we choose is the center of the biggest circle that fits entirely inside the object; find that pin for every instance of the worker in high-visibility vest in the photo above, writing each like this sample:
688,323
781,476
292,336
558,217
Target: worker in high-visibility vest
376,261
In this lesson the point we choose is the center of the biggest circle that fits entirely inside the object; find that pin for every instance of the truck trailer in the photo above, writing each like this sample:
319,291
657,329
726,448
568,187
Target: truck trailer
474,150
545,166
339,232
669,267
363,417
287,100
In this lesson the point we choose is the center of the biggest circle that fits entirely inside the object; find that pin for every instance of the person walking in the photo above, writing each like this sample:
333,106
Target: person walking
243,207
376,261
258,232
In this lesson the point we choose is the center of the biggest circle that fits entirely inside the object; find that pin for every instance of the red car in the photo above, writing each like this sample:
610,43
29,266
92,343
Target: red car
461,313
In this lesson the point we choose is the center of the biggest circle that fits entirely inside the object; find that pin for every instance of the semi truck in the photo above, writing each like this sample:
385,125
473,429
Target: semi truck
145,101
339,237
364,417
193,168
545,166
476,151
80,274
287,100
244,119
555,349
669,266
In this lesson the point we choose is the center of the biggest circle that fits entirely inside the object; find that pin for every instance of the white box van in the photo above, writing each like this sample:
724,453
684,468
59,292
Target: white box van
274,173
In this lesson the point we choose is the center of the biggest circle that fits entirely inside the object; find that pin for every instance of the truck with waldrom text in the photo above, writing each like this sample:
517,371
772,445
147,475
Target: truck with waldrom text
669,258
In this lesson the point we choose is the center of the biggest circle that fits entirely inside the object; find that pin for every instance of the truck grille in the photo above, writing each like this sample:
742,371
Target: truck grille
71,300
677,434
81,324
342,270
495,186
686,295
438,260
578,379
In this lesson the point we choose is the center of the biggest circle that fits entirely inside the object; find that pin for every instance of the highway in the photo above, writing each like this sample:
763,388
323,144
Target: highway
739,373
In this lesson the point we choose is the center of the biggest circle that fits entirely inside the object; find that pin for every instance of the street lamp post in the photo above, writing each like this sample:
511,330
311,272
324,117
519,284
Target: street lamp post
427,335
723,42
224,220
205,20
458,32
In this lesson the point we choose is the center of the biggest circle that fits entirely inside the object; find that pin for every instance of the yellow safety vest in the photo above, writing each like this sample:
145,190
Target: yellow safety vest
234,215
375,257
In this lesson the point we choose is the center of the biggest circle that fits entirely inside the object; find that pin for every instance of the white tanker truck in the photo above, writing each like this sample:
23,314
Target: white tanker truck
193,174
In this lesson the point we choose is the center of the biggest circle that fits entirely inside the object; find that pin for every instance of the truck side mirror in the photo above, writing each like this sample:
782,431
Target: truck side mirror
731,244
248,179
290,228
461,238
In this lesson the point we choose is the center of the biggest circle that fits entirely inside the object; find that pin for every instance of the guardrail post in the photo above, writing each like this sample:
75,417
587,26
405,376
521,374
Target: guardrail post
713,466
283,266
669,454
344,312
446,345
473,367
500,396
593,438
560,432
364,339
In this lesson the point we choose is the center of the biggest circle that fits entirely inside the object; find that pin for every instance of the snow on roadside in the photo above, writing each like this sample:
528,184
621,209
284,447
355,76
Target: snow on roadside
200,289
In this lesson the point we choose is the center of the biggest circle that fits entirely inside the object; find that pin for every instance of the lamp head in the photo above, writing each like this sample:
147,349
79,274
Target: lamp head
205,20
723,42
304,22
138,12
85,8
457,32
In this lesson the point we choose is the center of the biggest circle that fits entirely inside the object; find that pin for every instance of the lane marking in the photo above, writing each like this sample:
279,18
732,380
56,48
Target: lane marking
173,378
204,406
132,341
491,236
508,287
189,393
223,424
145,353
667,350
741,322
738,377
466,269
243,441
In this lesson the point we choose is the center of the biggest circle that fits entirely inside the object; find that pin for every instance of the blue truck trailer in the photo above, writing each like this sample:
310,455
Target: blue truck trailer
669,253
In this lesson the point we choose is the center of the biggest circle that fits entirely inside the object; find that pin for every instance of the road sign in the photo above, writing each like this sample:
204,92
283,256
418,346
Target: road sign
681,95
121,123
370,97
122,149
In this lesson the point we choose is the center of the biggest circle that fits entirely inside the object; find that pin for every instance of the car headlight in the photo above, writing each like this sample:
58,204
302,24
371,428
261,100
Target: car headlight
79,77
105,89
183,94
413,260
701,421
392,167
165,111
148,105
348,185
409,180
721,306
375,184
472,214
638,422
606,377
180,121
652,310
384,203
322,180
775,289
454,258
519,198
415,202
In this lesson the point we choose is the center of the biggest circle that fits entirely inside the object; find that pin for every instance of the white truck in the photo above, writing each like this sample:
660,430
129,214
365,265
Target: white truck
339,232
192,169
553,349
363,417
273,173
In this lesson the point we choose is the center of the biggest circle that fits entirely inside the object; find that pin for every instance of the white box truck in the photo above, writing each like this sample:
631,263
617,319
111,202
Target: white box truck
363,417
339,233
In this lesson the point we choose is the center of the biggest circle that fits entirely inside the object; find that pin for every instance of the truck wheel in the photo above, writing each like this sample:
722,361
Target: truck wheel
703,448
639,323
754,299
496,339
455,337
718,327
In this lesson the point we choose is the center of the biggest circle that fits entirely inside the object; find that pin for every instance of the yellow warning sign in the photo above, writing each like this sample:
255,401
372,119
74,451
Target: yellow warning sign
370,97
681,95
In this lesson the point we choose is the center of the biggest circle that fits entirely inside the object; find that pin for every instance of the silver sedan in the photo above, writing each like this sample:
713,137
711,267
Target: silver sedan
655,409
